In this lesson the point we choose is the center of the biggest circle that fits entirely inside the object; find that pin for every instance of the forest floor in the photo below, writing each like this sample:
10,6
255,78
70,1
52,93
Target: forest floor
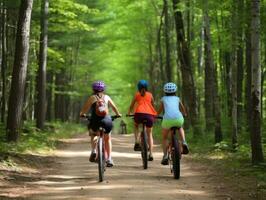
67,173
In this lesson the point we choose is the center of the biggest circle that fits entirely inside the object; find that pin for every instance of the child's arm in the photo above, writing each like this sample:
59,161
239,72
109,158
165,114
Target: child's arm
131,106
114,108
160,108
86,106
152,101
182,109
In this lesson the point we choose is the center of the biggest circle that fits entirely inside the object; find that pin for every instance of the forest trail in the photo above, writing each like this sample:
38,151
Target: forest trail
72,176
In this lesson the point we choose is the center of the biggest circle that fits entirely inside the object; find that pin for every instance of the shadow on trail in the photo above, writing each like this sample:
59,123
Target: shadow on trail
72,176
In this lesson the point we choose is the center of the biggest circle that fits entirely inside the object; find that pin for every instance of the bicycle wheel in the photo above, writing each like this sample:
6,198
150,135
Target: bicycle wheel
175,157
144,149
101,160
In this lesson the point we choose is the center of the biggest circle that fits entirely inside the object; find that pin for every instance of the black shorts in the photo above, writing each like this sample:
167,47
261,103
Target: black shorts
140,117
105,122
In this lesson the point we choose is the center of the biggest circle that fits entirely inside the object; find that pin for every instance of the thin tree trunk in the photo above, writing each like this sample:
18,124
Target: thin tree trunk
234,75
3,60
41,78
248,63
240,69
256,145
167,43
209,72
49,96
188,23
217,110
228,78
159,47
19,71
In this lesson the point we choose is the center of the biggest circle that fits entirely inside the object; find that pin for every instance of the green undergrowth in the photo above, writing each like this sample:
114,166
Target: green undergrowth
37,141
222,157
231,162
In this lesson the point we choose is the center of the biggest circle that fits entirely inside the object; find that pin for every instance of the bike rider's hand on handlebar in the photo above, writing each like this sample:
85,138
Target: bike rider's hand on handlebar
82,115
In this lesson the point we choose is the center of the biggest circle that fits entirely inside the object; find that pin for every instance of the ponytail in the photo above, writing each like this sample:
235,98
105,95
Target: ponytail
142,91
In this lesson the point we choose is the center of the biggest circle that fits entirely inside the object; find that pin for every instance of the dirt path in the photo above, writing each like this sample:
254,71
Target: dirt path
74,177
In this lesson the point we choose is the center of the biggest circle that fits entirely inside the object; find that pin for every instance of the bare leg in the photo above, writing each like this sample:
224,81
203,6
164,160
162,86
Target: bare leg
93,142
136,133
150,138
182,134
108,145
93,147
164,140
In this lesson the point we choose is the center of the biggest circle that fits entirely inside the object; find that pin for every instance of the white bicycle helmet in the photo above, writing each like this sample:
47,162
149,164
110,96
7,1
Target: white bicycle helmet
170,88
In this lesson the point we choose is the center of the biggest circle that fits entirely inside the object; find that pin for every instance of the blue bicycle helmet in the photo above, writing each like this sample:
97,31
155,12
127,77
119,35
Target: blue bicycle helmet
142,84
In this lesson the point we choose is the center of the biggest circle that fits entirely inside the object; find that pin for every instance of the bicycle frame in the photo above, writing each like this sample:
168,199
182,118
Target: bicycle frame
144,144
101,154
174,153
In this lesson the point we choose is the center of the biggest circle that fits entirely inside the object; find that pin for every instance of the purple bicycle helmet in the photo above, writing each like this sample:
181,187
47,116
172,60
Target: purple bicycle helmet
98,86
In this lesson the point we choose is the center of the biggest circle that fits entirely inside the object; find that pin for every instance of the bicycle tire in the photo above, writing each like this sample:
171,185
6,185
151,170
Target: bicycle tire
101,160
144,149
175,154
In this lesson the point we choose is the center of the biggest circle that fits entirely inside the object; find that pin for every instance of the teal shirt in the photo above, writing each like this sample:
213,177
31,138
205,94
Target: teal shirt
171,107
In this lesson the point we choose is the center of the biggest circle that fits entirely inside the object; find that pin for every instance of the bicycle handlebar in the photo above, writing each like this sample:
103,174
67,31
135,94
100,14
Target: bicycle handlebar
157,117
113,117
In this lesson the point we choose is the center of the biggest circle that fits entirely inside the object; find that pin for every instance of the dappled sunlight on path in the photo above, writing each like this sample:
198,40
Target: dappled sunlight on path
74,177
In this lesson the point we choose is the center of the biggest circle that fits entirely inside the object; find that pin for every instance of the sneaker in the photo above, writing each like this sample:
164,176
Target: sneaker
93,157
185,148
137,147
150,157
109,163
165,160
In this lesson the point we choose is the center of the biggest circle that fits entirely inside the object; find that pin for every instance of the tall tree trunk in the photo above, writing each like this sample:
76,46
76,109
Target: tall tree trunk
256,145
234,74
41,78
188,23
167,42
209,72
19,71
49,114
228,78
189,89
240,69
159,47
212,105
58,95
248,63
3,60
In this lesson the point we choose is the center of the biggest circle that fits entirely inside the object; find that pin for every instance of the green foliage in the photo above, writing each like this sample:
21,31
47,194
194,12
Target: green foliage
39,141
222,157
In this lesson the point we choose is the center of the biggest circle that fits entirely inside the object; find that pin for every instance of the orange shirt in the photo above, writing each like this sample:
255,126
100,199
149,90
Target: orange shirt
144,104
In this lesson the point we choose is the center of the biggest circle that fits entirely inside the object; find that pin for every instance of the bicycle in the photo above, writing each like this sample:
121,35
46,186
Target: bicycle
174,151
101,154
143,143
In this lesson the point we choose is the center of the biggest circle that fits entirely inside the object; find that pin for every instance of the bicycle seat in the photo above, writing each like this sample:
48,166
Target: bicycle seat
102,129
175,128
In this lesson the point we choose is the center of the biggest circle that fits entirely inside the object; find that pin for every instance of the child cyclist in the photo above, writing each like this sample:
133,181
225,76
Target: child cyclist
173,117
143,105
97,120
